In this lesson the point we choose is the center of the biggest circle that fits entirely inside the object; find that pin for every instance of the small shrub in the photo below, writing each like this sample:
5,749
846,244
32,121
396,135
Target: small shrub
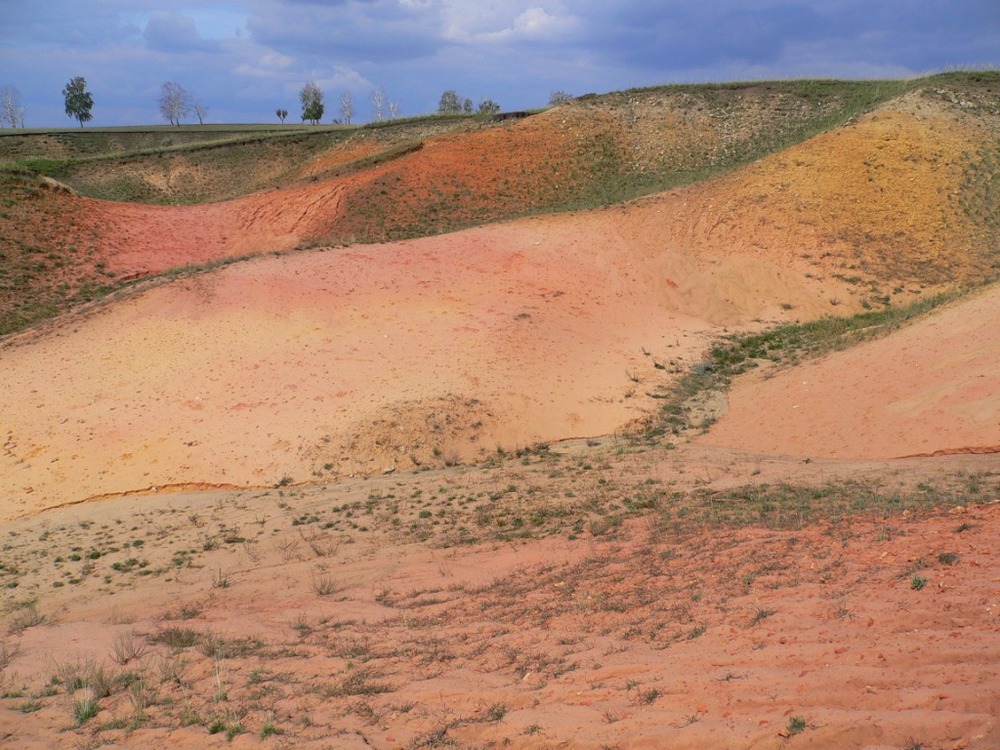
189,716
7,653
917,583
796,725
325,584
496,712
760,615
269,728
647,697
128,647
177,638
696,632
84,710
27,616
359,682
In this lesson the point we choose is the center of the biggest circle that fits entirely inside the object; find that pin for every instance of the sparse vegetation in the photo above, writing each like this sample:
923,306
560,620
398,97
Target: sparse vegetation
26,615
760,615
325,584
128,646
84,710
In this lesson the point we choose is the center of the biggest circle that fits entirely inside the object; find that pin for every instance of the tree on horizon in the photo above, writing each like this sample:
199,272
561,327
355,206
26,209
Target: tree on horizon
79,101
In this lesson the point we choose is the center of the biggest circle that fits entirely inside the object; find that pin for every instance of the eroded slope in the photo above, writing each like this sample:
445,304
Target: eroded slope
397,356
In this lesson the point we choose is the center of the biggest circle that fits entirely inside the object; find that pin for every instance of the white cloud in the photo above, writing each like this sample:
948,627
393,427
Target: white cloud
474,23
269,65
536,23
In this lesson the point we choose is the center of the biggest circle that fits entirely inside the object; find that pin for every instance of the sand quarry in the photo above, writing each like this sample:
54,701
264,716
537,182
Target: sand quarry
388,495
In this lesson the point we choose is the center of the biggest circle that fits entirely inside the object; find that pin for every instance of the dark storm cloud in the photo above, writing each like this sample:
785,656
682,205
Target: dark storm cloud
686,36
173,32
357,30
680,36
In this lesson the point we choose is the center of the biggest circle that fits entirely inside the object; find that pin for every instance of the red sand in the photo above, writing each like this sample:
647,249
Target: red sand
874,632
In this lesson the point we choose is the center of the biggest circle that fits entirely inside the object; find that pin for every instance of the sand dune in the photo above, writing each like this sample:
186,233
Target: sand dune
280,367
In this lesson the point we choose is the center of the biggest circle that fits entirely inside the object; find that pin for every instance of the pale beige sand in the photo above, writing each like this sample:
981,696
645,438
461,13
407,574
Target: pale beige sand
929,389
344,361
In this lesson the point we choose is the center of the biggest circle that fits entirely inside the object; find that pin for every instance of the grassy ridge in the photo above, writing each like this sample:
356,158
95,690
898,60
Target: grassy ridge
794,111
611,156
225,161
784,345
218,168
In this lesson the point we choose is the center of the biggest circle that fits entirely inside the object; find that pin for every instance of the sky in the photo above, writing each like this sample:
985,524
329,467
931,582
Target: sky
243,59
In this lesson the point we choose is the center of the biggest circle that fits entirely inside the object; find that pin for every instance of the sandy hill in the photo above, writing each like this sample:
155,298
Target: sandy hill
390,470
360,359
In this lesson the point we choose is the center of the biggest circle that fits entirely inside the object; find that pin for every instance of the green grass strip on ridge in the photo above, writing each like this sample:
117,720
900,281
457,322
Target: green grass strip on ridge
785,344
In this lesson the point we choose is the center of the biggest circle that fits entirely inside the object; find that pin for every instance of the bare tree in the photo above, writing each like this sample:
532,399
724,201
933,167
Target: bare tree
175,102
346,107
282,114
10,107
378,100
393,110
559,97
200,110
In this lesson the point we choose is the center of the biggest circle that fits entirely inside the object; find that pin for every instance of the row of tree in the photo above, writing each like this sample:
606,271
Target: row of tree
452,104
311,98
176,103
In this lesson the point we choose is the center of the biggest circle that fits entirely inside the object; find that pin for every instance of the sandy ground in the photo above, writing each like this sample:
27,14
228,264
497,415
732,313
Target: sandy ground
346,616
